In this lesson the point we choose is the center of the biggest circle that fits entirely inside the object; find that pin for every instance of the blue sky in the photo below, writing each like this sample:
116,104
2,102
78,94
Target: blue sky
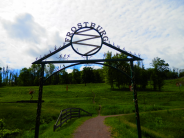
152,28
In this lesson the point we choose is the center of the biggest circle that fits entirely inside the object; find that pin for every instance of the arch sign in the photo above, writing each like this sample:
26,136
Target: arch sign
93,34
86,39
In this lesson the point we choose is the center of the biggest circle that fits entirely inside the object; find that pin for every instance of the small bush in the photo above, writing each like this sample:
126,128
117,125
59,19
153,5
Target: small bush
6,133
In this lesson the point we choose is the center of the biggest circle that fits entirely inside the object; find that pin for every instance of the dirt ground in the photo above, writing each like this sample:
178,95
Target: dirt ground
94,128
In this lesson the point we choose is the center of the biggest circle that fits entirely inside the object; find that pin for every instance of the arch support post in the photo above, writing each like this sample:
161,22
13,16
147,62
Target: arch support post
39,103
135,99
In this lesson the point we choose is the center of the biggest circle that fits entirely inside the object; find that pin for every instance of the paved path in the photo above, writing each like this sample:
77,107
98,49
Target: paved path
93,128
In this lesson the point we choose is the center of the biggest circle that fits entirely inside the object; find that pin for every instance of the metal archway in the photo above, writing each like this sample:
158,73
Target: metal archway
104,39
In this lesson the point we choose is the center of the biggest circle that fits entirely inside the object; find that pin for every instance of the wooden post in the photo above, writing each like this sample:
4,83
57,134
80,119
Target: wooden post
135,100
61,119
39,103
70,113
79,112
66,115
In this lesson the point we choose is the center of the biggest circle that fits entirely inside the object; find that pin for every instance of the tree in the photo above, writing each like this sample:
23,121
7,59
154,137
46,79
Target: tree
141,76
137,70
98,75
87,75
171,74
64,78
159,72
159,64
25,77
154,79
144,79
76,76
120,79
11,77
113,76
35,70
108,72
175,70
5,75
181,74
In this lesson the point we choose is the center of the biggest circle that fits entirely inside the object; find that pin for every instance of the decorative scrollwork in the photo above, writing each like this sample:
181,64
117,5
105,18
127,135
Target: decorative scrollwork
63,57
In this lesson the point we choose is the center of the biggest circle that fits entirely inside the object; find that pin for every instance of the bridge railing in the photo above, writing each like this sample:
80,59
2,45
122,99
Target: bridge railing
67,114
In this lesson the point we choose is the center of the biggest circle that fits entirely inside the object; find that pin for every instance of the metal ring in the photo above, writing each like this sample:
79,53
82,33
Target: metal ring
86,54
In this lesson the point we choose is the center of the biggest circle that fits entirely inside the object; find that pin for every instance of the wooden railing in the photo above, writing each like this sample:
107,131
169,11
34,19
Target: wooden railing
67,114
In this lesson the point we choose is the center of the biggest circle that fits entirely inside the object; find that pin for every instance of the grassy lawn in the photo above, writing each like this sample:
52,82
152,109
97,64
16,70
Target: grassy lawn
154,124
22,115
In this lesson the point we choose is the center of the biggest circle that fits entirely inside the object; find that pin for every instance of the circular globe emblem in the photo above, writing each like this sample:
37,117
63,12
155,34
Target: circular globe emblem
86,41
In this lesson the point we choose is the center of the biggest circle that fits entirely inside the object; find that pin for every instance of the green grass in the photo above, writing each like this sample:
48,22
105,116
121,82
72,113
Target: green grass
119,129
170,85
163,124
66,131
56,98
22,115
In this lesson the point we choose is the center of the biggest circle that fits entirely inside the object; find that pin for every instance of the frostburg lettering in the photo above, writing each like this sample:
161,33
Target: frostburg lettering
79,25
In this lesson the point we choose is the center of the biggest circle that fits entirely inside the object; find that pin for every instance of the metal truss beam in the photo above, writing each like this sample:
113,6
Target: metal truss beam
84,61
54,52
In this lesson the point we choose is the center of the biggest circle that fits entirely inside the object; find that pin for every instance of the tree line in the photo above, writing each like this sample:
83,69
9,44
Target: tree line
30,76
154,76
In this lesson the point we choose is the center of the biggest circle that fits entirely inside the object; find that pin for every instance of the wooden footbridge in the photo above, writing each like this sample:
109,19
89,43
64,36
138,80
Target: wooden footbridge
69,113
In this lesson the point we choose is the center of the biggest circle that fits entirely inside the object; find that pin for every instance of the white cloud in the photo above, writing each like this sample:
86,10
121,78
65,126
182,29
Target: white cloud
97,67
69,70
81,68
32,28
24,28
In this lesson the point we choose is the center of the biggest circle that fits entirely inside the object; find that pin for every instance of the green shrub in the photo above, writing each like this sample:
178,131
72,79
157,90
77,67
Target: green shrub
6,133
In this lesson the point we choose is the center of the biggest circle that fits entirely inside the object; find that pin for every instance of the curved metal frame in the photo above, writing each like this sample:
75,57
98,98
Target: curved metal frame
83,63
